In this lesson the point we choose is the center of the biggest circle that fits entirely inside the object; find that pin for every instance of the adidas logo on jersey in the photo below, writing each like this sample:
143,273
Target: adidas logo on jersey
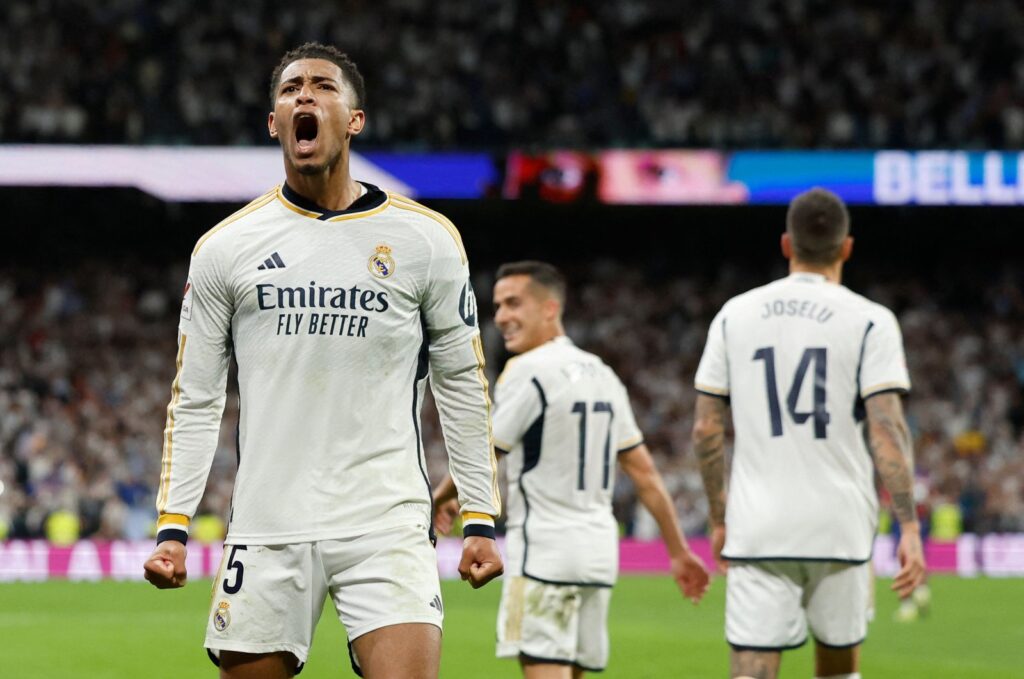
274,261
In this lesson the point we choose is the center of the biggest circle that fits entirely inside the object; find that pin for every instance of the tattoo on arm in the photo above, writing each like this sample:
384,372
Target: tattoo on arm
709,444
889,438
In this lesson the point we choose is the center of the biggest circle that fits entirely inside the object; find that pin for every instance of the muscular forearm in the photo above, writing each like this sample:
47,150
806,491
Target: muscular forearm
889,438
709,446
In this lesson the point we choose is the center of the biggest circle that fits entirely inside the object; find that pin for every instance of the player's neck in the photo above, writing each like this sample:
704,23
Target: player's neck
552,334
833,273
556,331
333,189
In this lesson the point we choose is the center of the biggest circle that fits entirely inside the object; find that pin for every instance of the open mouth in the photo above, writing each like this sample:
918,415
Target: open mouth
306,128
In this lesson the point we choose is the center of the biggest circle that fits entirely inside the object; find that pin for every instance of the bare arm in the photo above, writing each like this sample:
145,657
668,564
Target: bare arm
709,445
687,568
445,491
446,505
889,438
650,488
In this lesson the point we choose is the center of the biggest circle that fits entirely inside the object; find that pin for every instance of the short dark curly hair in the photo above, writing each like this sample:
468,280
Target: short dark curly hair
316,50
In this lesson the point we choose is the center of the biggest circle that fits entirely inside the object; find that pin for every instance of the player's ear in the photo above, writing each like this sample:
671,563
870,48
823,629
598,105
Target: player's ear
356,121
787,246
271,126
847,249
552,309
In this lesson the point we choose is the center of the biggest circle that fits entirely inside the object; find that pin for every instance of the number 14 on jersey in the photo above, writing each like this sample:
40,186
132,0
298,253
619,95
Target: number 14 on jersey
819,357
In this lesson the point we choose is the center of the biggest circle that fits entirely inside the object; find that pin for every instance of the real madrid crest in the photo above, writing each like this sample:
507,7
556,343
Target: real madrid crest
221,617
381,263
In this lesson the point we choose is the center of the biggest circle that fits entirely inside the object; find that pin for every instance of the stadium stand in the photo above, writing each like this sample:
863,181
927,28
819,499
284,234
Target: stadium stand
88,348
493,74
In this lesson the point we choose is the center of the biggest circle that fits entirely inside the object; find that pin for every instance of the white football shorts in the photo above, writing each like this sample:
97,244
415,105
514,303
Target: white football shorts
562,624
769,605
269,598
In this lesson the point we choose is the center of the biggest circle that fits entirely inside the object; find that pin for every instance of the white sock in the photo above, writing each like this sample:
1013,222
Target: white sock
852,675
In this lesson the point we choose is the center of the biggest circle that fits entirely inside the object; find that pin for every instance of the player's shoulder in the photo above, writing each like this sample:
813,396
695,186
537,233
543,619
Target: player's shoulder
870,309
513,370
432,223
571,352
521,370
234,223
534,363
529,362
563,355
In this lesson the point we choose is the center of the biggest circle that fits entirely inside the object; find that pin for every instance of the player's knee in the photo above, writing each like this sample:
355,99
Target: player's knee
537,669
238,665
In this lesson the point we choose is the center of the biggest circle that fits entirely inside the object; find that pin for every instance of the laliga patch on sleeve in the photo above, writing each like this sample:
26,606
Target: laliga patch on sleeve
186,302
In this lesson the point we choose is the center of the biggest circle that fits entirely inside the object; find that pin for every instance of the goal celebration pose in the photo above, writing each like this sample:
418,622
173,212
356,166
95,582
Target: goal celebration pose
337,301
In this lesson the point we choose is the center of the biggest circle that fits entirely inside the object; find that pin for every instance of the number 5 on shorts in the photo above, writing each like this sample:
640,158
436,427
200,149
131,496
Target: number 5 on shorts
232,564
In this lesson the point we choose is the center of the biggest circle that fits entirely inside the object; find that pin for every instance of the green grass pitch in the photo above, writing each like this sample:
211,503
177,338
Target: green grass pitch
113,630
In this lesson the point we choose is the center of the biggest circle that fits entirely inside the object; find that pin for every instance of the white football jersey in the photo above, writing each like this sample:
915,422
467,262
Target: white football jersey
563,416
796,358
335,320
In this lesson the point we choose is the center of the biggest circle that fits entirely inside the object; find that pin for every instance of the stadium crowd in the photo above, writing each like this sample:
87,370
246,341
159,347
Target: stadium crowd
495,74
88,359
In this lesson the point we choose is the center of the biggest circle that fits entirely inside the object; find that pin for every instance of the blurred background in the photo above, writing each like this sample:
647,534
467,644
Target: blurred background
647,147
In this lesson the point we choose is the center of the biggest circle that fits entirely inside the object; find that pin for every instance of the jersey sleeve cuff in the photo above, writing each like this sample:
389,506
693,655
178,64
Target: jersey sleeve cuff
709,390
172,527
884,388
629,445
502,446
476,524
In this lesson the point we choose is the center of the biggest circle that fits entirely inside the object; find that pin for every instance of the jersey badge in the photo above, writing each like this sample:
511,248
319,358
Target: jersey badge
221,617
186,302
381,263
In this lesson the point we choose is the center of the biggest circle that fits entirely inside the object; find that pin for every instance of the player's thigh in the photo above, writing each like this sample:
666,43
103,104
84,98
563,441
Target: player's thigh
838,602
539,622
511,609
592,635
265,600
383,579
408,650
763,606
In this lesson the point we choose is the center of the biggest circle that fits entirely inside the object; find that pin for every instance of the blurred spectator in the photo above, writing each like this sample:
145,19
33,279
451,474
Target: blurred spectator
496,74
62,528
